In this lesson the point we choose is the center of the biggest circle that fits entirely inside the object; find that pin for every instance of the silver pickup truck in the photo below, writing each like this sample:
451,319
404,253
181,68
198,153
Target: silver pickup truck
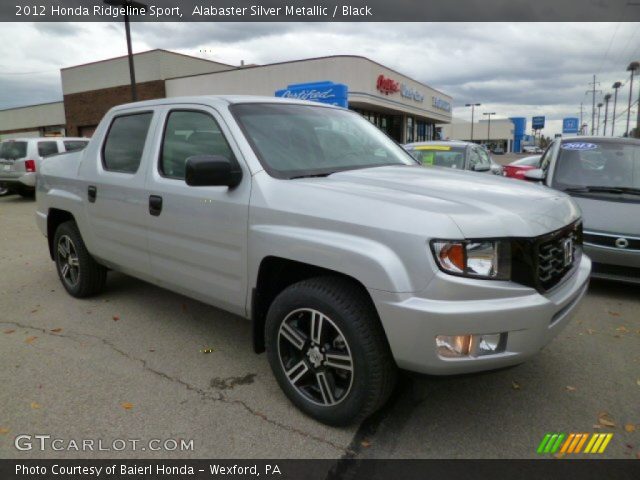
349,259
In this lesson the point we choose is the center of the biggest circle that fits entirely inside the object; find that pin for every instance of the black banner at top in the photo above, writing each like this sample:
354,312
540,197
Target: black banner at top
320,10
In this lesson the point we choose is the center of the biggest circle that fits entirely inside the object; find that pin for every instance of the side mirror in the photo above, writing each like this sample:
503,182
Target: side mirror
535,175
212,171
481,167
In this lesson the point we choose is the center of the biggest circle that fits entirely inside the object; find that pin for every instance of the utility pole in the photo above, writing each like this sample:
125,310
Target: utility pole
473,106
607,97
593,103
598,127
633,68
615,87
489,126
581,113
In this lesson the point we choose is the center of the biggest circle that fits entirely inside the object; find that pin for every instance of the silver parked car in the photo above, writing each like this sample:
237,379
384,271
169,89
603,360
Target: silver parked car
349,259
602,175
20,159
454,154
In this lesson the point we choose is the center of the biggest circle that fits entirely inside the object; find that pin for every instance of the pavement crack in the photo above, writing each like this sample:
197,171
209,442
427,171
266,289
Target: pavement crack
204,394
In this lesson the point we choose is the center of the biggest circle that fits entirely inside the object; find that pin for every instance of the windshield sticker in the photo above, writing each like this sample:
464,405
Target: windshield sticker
434,147
578,146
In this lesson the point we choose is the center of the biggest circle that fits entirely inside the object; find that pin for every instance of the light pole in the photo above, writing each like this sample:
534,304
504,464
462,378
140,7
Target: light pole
489,126
599,108
473,106
615,87
125,4
633,67
607,97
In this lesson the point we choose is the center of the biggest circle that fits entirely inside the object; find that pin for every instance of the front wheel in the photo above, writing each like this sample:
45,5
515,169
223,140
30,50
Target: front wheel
79,273
328,351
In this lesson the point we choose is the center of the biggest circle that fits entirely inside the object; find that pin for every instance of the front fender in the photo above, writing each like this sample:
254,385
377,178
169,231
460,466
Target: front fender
372,263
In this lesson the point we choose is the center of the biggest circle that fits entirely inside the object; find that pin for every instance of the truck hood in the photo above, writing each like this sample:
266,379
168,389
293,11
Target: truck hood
609,216
480,205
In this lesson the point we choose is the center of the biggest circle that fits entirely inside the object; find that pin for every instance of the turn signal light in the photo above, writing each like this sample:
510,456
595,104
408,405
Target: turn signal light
30,165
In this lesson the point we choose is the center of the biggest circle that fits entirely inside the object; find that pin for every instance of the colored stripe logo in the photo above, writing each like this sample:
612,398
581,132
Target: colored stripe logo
574,443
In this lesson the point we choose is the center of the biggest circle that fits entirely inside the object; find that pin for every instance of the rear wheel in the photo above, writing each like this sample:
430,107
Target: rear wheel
26,192
328,351
79,273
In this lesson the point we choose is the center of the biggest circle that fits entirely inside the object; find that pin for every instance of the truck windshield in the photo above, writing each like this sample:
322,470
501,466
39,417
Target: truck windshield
295,141
593,164
10,150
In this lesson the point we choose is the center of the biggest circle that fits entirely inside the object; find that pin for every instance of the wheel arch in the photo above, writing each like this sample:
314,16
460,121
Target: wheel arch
274,275
55,218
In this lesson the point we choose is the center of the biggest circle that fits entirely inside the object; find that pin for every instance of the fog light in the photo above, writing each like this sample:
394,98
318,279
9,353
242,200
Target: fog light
458,346
452,346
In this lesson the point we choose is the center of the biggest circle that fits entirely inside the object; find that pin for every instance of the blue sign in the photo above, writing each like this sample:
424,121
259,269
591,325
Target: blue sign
323,92
570,125
578,146
537,123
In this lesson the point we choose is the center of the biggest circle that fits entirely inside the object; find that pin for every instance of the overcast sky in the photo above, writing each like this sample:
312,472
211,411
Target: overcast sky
512,69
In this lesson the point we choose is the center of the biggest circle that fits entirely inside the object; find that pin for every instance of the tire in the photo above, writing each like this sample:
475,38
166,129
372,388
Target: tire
26,192
71,255
311,365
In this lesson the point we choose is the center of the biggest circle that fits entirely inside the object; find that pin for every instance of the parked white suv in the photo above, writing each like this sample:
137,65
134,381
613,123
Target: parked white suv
20,159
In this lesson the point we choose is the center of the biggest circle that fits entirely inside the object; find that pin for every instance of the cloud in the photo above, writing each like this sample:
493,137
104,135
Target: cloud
514,69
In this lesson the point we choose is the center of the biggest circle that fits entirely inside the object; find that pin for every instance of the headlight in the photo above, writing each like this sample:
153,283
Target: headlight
474,258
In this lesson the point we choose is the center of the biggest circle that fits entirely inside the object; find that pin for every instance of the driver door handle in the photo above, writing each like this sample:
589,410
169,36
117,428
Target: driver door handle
155,205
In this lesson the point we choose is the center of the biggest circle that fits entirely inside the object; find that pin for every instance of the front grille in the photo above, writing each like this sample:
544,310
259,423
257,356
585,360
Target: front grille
555,258
632,273
543,262
608,240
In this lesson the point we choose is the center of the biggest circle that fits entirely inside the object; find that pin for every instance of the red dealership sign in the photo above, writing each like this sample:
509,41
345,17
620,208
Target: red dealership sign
387,85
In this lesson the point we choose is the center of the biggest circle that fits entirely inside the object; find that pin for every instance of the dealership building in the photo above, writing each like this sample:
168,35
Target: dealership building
404,108
508,133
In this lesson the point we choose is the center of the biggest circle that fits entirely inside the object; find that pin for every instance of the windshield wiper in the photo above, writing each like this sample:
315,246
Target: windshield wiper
311,175
603,189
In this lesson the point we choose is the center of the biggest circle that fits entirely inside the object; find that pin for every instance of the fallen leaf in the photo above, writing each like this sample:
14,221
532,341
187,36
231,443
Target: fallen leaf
570,388
515,385
30,340
127,405
617,336
4,431
34,310
116,318
590,331
365,443
152,349
56,330
630,427
35,405
605,420
206,350
622,329
11,331
614,314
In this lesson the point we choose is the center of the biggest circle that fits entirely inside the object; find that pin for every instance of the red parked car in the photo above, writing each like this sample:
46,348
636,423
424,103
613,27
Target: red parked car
516,169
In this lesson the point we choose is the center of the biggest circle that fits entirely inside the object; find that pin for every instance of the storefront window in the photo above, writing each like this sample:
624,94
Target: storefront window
409,134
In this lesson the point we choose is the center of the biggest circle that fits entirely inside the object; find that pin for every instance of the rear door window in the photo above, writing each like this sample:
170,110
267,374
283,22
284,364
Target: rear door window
122,150
10,150
74,145
47,148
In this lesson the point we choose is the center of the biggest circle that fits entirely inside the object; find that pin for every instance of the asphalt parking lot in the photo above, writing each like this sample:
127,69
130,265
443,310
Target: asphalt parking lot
138,362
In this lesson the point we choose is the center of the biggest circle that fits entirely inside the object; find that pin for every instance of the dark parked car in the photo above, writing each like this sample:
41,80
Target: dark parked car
454,154
603,177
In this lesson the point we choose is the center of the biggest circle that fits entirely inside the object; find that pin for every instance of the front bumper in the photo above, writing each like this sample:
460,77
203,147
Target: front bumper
460,306
612,263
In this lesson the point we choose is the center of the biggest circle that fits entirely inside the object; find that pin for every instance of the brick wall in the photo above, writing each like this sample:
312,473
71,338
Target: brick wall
84,110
